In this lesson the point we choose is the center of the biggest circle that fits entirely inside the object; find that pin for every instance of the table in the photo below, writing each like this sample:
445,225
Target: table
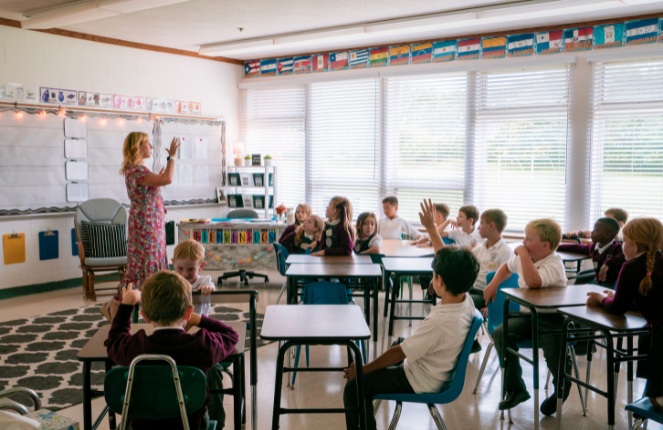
314,325
336,259
370,272
611,327
567,257
402,267
94,350
404,248
536,299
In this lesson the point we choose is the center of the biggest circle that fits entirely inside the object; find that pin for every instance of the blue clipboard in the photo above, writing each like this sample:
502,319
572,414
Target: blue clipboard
74,244
49,245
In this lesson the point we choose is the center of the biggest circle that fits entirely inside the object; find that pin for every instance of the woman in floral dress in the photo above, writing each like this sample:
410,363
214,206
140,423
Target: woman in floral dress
146,243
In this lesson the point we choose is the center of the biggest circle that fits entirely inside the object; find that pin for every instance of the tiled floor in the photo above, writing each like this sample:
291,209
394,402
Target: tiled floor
470,411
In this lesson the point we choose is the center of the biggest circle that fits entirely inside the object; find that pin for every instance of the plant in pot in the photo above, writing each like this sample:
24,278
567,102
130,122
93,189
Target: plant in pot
247,160
268,160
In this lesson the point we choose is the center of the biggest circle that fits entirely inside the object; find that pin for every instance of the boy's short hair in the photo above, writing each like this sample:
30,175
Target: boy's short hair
189,250
611,224
470,211
165,297
442,209
548,231
497,216
458,268
617,213
392,200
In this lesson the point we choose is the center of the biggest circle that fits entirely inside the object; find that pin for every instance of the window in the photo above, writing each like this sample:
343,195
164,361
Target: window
627,143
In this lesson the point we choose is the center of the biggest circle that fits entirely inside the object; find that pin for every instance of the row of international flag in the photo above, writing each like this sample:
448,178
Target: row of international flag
636,32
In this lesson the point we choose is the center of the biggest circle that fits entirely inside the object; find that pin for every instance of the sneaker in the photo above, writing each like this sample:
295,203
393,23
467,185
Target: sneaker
513,399
476,347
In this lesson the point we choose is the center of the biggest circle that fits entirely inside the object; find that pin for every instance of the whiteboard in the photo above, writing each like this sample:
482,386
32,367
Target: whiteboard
77,192
75,128
76,170
75,148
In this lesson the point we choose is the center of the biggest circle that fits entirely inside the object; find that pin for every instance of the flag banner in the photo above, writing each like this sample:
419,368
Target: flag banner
379,56
301,64
399,54
642,31
444,50
319,62
549,42
284,66
609,36
338,60
421,53
469,49
577,39
520,45
252,68
493,47
358,59
268,67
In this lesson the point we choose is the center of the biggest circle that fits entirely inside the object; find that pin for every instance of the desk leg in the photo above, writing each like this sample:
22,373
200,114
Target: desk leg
278,384
238,399
561,373
386,277
87,397
610,355
629,374
376,288
111,415
367,301
535,363
359,369
393,306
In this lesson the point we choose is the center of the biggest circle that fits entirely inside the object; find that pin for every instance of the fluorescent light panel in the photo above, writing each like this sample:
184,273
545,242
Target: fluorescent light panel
545,9
231,48
408,26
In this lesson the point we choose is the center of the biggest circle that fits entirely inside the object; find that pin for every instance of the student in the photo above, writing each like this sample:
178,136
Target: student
640,284
307,238
338,236
368,240
431,352
605,251
188,261
464,233
302,213
166,304
538,266
393,226
440,216
617,213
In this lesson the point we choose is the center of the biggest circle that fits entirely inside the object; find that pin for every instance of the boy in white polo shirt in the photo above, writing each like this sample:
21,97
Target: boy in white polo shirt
431,352
393,226
464,233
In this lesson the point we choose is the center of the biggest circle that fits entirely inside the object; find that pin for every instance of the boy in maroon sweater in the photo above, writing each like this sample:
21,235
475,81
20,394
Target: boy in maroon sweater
605,252
166,304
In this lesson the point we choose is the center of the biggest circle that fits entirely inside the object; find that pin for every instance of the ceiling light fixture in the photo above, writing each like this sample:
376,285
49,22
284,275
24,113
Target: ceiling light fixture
430,23
241,46
545,8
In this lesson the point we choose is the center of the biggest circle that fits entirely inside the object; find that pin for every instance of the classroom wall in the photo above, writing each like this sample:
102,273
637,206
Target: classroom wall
37,59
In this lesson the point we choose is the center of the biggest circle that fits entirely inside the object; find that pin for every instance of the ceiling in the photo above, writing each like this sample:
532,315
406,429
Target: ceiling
287,27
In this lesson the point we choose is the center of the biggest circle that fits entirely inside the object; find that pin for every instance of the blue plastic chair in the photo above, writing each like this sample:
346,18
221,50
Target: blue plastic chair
643,411
281,256
448,241
449,393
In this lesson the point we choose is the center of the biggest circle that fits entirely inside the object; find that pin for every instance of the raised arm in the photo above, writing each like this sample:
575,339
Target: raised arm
165,176
427,218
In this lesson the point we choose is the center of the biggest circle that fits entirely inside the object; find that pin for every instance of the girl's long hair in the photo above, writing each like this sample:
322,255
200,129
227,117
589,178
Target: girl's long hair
344,210
647,234
362,218
319,226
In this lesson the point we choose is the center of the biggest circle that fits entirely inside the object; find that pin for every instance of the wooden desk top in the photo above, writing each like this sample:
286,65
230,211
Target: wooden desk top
409,265
340,259
573,295
631,321
404,248
284,322
94,349
334,270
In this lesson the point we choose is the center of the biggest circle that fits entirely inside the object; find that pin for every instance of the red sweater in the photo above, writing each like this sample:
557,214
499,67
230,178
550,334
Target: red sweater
336,241
613,257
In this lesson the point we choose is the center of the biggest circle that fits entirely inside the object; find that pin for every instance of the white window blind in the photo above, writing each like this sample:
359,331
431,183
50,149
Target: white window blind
273,123
627,138
425,140
520,123
342,138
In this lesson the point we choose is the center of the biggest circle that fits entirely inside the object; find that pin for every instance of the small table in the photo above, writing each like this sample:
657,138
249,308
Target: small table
336,259
402,267
404,248
537,299
94,350
314,325
611,327
370,272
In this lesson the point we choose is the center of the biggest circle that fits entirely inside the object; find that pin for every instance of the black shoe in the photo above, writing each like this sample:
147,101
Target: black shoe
549,405
513,399
476,347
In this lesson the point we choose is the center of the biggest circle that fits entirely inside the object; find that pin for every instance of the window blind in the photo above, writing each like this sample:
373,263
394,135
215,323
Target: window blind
520,121
273,123
627,147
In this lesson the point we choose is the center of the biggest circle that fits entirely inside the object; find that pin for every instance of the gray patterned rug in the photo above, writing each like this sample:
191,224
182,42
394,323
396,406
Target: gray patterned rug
40,352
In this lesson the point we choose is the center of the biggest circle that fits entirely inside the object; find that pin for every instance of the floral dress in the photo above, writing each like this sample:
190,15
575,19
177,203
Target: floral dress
146,244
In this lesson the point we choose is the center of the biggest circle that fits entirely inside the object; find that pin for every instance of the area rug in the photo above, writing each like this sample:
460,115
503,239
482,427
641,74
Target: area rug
40,352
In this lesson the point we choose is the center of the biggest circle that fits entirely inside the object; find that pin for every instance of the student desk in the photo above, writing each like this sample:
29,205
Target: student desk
94,350
336,259
537,300
611,327
370,272
402,267
403,248
567,257
314,325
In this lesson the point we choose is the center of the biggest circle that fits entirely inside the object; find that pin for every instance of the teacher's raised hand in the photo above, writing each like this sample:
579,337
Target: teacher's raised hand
174,145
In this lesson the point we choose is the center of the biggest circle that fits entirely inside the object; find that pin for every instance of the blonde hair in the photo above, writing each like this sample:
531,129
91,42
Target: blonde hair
319,225
165,297
362,218
189,250
647,235
344,209
307,210
548,231
131,150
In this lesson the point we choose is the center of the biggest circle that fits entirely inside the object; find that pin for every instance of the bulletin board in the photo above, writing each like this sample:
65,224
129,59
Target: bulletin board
44,168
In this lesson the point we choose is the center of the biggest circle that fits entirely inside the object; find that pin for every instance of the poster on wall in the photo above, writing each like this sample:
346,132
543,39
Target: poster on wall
493,47
469,49
338,60
608,36
319,62
358,59
86,98
399,55
444,50
379,57
520,45
284,66
642,31
421,52
578,39
549,42
57,96
301,64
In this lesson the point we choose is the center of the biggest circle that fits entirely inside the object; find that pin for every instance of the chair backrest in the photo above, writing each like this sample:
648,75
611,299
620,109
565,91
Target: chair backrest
448,241
242,213
281,256
496,308
154,391
325,293
100,211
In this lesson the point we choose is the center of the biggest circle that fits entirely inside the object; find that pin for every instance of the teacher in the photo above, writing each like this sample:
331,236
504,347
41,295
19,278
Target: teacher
146,244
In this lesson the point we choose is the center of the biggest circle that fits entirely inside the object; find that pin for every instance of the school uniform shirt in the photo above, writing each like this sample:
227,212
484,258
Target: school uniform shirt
490,259
463,239
288,230
394,228
431,352
335,240
363,244
610,255
551,270
202,304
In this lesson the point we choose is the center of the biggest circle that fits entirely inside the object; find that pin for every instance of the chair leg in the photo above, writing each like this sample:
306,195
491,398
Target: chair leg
90,286
583,400
437,418
484,362
545,387
285,284
396,417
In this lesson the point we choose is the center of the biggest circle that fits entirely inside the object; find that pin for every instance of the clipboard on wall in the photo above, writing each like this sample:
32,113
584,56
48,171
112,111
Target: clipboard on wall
74,243
49,245
14,248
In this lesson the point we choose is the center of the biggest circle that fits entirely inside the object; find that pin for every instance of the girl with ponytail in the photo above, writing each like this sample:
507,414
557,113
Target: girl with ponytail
640,285
338,236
